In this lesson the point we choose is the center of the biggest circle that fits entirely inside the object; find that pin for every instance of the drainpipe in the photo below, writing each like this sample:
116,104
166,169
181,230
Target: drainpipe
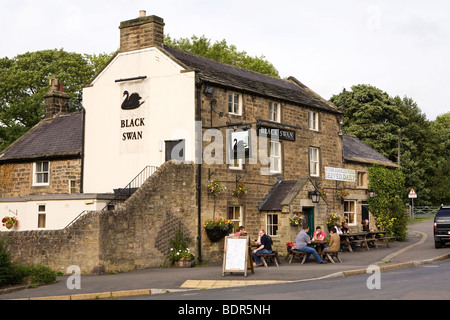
198,85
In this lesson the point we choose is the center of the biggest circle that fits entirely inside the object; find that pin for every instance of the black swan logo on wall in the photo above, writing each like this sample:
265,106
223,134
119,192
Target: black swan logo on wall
131,102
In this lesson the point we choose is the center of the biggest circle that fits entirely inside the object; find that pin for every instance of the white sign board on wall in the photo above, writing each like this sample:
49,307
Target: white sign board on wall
340,174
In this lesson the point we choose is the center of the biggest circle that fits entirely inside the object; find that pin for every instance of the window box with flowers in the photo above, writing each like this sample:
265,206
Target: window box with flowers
241,190
217,228
182,258
10,222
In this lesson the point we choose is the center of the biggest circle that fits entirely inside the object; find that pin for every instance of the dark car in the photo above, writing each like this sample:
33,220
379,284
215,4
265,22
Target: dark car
442,226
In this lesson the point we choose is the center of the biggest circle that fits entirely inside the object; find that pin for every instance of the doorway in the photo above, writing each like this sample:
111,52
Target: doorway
309,214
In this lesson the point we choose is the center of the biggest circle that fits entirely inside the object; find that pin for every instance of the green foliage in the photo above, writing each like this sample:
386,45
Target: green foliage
222,52
25,81
180,245
388,206
384,123
12,273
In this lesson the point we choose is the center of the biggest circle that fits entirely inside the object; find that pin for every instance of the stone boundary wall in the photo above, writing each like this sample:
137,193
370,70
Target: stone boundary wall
135,236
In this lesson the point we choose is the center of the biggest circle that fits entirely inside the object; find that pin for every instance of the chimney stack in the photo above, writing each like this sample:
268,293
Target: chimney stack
142,32
56,101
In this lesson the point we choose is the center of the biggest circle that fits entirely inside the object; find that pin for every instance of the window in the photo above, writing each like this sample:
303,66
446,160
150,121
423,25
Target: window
72,186
234,103
236,217
313,120
350,212
275,157
314,162
274,112
272,224
41,173
41,216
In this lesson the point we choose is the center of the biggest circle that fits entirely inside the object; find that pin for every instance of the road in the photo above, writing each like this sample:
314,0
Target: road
429,281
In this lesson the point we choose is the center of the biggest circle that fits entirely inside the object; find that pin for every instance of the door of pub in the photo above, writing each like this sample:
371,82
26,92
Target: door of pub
309,214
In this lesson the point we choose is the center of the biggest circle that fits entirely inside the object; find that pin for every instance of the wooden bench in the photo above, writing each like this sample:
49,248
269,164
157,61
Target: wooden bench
331,255
270,257
298,254
386,240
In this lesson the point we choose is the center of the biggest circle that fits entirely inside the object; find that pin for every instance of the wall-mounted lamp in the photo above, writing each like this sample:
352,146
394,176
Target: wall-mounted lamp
314,196
372,193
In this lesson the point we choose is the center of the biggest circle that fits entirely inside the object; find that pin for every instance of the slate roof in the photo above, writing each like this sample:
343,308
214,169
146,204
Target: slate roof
290,90
61,136
276,196
357,151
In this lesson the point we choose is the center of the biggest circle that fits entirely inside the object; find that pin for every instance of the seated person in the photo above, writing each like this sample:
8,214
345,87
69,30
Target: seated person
301,244
240,232
335,242
265,247
319,234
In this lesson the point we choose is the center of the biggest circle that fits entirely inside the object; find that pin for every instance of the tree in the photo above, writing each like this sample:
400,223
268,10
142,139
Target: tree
222,52
25,81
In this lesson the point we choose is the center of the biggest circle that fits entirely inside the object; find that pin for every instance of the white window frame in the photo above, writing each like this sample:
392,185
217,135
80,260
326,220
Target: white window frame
349,213
275,156
313,121
39,166
43,213
274,111
235,107
314,162
271,226
72,189
233,219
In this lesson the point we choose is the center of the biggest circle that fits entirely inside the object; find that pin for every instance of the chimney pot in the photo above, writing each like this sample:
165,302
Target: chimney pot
142,13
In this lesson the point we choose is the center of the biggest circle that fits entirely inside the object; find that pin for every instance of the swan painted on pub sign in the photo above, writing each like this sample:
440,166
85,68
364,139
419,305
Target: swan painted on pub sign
131,101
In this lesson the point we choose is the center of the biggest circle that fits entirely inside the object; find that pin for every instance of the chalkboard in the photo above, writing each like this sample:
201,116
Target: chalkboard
236,255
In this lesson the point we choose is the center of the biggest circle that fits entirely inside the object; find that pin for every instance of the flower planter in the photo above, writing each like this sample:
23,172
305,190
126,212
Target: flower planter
9,225
184,263
216,234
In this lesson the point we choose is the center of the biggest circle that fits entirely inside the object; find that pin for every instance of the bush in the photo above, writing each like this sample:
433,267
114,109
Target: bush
12,273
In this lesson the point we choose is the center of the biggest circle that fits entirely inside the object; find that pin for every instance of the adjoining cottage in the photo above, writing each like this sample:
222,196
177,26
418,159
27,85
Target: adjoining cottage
151,104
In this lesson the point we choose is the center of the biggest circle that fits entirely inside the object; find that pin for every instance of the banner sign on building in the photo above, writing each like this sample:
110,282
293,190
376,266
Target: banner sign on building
340,174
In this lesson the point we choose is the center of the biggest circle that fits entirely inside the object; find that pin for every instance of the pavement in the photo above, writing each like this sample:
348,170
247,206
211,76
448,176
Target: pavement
418,249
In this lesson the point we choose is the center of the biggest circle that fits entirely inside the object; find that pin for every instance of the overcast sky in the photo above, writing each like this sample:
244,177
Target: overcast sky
401,47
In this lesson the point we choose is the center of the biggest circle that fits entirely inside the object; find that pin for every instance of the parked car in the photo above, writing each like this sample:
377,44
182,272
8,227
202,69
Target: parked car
442,227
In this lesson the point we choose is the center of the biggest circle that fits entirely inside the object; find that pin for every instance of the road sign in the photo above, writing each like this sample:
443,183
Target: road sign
412,194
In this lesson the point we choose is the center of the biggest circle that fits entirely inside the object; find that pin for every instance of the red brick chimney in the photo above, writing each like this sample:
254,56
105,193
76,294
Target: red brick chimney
142,32
56,100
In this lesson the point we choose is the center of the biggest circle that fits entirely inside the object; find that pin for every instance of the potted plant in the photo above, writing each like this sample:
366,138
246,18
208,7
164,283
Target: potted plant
241,190
217,228
296,219
10,222
180,255
215,187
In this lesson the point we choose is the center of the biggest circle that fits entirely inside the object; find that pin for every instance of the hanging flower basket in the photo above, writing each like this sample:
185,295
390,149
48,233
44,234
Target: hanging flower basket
9,222
215,187
240,191
296,219
217,228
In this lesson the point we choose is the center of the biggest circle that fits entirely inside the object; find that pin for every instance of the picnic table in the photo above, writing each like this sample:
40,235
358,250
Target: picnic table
378,236
355,238
318,245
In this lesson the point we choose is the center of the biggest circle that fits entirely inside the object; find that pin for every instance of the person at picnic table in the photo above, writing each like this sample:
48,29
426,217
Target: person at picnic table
344,228
319,235
301,244
334,244
365,226
240,232
264,247
338,229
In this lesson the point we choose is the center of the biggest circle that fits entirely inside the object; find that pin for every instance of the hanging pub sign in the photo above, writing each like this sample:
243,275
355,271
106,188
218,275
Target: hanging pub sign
276,133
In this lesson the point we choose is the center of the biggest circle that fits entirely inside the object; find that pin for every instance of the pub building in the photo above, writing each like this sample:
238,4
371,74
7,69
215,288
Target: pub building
155,115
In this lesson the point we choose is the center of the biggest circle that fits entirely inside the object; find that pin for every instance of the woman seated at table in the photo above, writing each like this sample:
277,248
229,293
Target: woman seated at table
334,244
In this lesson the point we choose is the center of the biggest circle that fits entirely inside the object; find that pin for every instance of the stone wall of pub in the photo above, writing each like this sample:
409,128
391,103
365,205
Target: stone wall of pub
132,237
